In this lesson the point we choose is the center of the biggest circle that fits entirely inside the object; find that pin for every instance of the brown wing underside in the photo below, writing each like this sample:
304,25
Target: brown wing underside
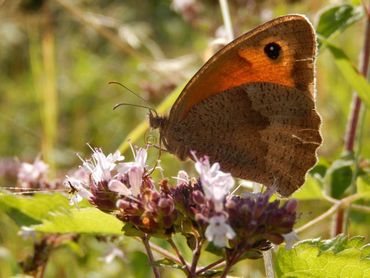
262,132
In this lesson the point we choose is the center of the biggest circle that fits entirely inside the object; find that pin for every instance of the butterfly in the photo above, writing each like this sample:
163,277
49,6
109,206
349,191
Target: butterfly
252,108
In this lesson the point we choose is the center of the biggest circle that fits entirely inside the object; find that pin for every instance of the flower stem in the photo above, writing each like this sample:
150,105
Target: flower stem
181,258
150,255
269,267
161,251
230,261
196,256
212,265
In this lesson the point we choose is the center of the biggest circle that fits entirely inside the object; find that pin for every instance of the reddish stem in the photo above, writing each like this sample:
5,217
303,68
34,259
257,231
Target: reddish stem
339,221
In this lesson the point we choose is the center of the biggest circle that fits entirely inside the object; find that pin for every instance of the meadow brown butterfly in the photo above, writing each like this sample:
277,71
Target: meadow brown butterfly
251,107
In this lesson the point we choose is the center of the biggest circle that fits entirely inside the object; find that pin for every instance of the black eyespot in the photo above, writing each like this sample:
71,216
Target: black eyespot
272,50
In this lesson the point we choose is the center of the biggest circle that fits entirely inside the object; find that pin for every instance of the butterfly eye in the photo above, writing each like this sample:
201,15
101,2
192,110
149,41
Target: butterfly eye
272,50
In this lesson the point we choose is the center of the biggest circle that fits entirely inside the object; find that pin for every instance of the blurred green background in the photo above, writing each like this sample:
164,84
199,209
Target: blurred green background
56,59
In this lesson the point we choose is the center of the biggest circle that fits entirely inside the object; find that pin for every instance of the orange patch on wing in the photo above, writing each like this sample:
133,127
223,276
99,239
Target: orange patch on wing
248,65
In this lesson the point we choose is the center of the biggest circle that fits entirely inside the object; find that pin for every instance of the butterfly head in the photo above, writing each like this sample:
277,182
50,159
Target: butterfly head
156,121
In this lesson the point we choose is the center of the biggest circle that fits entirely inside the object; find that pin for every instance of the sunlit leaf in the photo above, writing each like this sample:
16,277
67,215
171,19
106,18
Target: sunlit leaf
28,210
337,257
83,220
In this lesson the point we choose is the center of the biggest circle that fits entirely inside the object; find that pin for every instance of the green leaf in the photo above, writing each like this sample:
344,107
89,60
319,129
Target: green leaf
339,176
320,169
213,249
168,263
337,257
337,19
30,210
130,230
83,220
350,74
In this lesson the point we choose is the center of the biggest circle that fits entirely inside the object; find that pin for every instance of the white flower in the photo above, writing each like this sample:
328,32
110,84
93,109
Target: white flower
182,177
119,187
290,239
101,166
140,157
27,233
135,170
215,183
78,191
30,173
218,231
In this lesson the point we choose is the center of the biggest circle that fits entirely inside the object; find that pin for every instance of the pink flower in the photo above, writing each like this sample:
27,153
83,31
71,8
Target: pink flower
32,173
135,170
117,186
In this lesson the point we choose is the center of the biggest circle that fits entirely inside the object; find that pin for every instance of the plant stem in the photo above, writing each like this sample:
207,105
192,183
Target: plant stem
161,251
181,258
212,265
230,261
41,271
226,270
196,256
268,262
150,256
341,218
340,204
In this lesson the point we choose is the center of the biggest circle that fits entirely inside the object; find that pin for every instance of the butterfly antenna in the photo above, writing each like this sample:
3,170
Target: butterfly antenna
136,105
151,109
128,89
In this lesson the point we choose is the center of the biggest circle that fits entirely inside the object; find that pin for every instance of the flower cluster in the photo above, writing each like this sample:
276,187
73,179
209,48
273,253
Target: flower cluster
258,222
34,177
204,204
